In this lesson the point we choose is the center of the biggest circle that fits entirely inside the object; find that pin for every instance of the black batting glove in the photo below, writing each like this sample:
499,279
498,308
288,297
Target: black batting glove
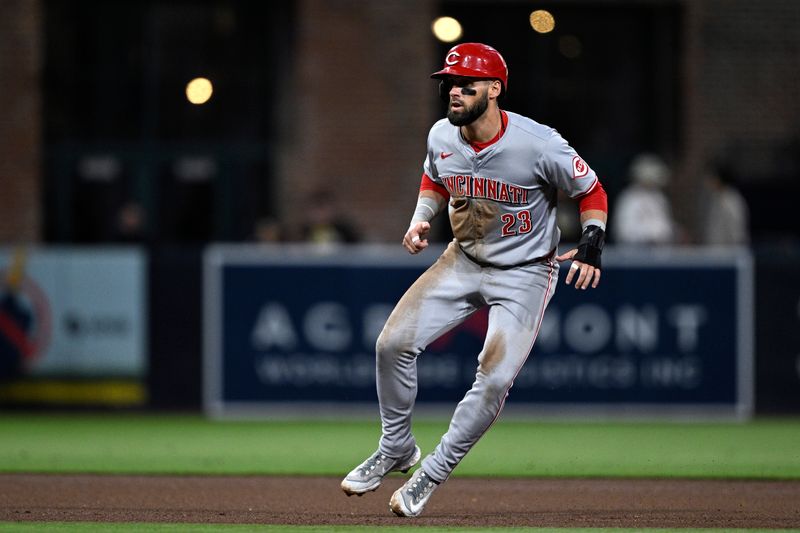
590,247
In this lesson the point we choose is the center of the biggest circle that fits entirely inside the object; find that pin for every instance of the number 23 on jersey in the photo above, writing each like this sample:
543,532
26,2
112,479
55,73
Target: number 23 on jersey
516,224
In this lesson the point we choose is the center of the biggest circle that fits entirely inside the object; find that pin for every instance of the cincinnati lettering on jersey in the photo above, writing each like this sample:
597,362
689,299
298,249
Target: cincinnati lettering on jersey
478,187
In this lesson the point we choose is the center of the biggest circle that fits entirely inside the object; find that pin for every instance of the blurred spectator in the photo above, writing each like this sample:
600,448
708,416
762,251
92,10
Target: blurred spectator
727,214
268,230
642,213
130,223
324,223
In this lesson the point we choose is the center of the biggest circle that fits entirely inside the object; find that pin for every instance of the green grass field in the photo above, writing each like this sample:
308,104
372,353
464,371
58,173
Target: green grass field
194,445
172,444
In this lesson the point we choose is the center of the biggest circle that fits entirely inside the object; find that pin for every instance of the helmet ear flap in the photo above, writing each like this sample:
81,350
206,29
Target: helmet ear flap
444,89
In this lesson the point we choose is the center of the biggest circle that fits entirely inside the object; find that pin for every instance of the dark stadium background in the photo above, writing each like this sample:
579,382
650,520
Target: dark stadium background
312,94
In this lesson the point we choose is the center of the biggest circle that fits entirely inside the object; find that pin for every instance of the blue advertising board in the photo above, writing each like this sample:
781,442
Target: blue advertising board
663,333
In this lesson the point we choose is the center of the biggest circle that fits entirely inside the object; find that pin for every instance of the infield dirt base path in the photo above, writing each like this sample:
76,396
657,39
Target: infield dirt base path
459,502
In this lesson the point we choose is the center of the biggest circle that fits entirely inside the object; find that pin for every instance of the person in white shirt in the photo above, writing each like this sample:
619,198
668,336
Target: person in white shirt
642,214
727,214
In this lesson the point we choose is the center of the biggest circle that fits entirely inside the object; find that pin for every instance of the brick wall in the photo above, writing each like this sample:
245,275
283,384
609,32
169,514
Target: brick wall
750,64
20,121
358,104
363,106
361,109
741,88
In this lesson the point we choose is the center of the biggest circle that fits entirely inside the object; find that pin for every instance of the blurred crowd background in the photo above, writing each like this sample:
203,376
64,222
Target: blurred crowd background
317,109
175,124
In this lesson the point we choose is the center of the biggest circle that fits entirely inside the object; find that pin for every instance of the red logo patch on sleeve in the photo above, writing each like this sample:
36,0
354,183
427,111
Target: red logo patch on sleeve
579,168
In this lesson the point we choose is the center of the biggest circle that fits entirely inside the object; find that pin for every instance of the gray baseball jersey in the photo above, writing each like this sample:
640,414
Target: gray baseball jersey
503,198
503,214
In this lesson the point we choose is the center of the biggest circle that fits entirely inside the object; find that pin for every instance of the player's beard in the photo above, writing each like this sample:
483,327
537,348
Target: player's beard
468,115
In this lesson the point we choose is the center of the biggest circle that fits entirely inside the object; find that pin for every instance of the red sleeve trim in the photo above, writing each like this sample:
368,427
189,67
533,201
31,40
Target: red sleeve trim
595,198
427,184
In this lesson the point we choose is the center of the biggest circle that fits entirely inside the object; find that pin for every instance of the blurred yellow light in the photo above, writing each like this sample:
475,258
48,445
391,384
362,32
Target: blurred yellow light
542,21
447,29
199,90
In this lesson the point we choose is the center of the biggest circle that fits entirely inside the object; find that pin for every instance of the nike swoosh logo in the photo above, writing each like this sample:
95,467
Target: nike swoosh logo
446,155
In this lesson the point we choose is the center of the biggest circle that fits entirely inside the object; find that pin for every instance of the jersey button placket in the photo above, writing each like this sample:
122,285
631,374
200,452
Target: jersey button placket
477,162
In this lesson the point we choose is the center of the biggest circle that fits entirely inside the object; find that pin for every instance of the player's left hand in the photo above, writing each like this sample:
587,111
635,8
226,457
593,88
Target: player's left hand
587,274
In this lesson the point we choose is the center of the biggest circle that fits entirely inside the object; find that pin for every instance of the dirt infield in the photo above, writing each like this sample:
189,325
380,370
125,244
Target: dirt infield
459,502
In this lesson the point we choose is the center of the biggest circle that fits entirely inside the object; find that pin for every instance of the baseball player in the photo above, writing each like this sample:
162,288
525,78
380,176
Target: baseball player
498,173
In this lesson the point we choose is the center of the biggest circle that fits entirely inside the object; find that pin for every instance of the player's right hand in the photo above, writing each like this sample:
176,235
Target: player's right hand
416,238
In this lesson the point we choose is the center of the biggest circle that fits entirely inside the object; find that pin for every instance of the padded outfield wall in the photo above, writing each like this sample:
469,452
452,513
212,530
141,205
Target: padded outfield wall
292,330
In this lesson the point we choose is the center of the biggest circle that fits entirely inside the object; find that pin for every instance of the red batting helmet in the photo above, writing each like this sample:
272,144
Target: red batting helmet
474,60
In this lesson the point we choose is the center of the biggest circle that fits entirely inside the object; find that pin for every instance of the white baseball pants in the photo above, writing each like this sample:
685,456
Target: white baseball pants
441,298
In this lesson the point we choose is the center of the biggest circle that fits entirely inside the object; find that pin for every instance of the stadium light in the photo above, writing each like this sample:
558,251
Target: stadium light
447,29
199,90
542,21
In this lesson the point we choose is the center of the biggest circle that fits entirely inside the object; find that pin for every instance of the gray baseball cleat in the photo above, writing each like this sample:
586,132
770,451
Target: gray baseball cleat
410,499
368,475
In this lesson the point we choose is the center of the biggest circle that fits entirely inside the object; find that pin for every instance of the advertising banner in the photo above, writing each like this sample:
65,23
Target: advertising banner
664,333
72,313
